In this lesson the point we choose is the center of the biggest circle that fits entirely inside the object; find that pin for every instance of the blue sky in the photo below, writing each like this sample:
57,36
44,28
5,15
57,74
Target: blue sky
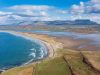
57,3
30,10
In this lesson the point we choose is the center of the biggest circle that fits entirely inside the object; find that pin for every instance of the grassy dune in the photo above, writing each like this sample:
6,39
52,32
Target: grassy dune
69,63
75,60
60,61
56,66
26,70
93,58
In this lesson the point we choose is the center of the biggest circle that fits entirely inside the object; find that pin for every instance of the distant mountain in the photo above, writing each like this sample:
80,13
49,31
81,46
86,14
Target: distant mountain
59,22
15,20
84,22
75,22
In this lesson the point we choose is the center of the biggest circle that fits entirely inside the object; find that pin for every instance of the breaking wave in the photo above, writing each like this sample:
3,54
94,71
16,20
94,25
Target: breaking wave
42,49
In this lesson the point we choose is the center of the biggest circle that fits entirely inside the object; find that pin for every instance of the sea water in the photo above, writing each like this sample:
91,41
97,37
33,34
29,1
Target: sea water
17,50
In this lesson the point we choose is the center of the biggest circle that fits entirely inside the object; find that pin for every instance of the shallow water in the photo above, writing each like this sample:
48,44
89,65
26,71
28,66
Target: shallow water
17,50
94,37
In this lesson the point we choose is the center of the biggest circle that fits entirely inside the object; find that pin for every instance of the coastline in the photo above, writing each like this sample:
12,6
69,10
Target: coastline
61,51
44,39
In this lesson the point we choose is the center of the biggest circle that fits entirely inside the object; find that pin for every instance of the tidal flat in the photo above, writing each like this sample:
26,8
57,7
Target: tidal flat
69,52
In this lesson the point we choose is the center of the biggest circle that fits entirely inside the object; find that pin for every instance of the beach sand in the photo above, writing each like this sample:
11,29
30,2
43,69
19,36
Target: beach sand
49,41
54,45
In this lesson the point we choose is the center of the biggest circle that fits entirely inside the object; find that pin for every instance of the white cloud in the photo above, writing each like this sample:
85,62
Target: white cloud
25,13
77,9
30,7
85,10
92,6
9,19
43,13
96,5
33,12
95,1
5,13
93,17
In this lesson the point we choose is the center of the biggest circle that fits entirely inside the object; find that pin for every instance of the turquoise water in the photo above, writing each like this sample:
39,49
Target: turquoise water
16,50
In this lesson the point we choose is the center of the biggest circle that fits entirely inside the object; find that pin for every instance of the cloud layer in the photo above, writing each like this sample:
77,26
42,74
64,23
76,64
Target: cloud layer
85,10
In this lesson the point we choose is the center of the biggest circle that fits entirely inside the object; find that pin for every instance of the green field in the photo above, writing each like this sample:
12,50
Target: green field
69,63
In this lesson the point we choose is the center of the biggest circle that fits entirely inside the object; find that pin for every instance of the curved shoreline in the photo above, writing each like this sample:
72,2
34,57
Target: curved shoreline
22,34
30,36
50,49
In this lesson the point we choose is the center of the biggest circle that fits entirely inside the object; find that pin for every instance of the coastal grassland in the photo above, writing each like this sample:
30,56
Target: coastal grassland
56,66
77,65
68,62
93,58
61,60
24,70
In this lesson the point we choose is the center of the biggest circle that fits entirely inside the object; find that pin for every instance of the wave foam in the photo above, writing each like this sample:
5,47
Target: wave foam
43,48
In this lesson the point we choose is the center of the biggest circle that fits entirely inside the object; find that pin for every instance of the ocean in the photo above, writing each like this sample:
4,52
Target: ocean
16,50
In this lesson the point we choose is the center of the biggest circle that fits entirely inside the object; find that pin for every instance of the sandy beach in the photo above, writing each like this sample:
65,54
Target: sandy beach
50,42
56,46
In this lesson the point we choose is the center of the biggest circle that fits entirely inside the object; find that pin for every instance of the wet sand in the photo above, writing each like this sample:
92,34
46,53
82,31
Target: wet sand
78,44
54,43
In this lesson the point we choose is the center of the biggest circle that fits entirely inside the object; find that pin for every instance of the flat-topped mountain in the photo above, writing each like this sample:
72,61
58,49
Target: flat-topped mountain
56,22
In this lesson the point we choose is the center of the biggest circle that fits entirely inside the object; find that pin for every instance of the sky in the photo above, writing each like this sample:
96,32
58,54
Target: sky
57,3
44,10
